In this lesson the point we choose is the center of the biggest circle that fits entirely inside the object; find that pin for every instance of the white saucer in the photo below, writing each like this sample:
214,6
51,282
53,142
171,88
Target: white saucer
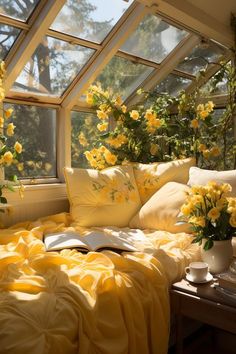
208,278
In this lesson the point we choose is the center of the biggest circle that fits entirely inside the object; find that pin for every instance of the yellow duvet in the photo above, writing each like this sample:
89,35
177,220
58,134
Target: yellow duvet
102,302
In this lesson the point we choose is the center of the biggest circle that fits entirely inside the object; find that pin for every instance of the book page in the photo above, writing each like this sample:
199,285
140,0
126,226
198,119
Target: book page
98,240
67,239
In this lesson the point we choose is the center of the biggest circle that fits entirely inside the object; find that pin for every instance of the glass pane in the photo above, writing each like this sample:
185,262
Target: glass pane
154,39
36,131
215,87
91,20
201,55
52,67
84,135
173,84
20,9
8,36
123,76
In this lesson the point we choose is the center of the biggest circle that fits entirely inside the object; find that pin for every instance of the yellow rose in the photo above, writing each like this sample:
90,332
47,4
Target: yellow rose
206,154
203,114
8,113
198,221
102,114
82,139
10,129
213,214
124,108
89,98
209,106
194,124
200,107
134,115
18,147
118,101
110,158
232,220
231,202
102,127
8,158
226,188
187,209
215,151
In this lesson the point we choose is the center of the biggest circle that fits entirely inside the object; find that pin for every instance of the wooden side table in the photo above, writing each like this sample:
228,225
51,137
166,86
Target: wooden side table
203,303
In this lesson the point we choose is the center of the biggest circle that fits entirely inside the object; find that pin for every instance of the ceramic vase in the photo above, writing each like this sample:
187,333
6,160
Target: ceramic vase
219,256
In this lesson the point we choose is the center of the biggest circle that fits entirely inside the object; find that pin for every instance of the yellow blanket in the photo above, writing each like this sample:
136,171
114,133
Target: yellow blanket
68,302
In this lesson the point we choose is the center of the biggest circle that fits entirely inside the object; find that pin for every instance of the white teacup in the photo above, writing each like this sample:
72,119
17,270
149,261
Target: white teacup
198,271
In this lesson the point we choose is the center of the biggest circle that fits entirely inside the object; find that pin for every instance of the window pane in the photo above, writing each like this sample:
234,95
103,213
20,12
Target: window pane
36,131
53,67
20,9
154,39
84,135
215,87
91,20
200,56
8,36
123,76
173,84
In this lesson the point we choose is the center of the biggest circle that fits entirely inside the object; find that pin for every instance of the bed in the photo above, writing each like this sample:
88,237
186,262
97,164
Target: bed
99,302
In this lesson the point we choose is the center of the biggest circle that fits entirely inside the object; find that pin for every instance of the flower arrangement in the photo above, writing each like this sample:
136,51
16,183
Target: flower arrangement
211,214
9,153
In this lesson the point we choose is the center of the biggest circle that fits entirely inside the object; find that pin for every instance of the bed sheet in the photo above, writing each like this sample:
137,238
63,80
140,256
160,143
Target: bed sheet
101,302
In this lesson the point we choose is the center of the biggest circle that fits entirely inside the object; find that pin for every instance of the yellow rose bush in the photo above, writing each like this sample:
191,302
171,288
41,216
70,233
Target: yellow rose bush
134,137
211,214
9,151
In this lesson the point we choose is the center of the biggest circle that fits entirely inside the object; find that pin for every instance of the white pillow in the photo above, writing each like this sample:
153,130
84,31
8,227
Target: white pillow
202,177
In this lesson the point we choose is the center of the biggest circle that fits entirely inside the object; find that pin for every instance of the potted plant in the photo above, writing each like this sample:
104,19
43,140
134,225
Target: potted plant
213,219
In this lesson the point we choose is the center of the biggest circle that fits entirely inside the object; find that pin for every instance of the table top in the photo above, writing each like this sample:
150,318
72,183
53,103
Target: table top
204,291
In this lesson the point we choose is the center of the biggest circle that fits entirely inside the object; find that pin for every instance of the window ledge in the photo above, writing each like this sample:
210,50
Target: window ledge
37,193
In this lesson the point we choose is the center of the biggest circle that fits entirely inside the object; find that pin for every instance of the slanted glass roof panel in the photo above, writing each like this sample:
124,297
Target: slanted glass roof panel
90,20
52,67
8,35
123,76
19,9
153,39
215,87
201,55
172,85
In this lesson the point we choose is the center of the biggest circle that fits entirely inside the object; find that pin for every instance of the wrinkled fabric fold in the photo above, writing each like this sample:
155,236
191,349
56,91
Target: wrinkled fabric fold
100,302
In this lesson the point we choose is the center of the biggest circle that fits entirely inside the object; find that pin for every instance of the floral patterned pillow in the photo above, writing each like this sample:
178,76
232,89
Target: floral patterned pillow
151,177
102,198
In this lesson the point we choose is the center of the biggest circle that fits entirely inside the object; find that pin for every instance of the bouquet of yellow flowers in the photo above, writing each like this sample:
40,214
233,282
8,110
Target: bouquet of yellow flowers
8,154
211,214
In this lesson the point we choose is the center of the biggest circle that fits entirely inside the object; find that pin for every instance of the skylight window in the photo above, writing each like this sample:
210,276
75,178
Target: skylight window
173,84
8,35
201,55
91,20
52,67
19,9
123,76
153,39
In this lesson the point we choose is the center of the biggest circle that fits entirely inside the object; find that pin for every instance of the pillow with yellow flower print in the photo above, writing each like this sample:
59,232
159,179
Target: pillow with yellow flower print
201,177
151,177
161,211
102,198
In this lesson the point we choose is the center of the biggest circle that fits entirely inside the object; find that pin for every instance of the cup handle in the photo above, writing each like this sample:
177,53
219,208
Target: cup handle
187,270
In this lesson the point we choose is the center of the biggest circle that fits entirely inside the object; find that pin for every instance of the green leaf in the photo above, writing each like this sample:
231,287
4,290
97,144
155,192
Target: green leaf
208,245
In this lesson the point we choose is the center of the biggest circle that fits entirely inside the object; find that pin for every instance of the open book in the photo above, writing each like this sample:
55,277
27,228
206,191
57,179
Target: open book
93,241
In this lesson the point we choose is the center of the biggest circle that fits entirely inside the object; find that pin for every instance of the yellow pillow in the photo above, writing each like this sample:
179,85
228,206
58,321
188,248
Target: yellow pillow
151,177
162,209
102,198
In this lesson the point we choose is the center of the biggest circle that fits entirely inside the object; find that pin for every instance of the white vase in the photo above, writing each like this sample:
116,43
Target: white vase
219,256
